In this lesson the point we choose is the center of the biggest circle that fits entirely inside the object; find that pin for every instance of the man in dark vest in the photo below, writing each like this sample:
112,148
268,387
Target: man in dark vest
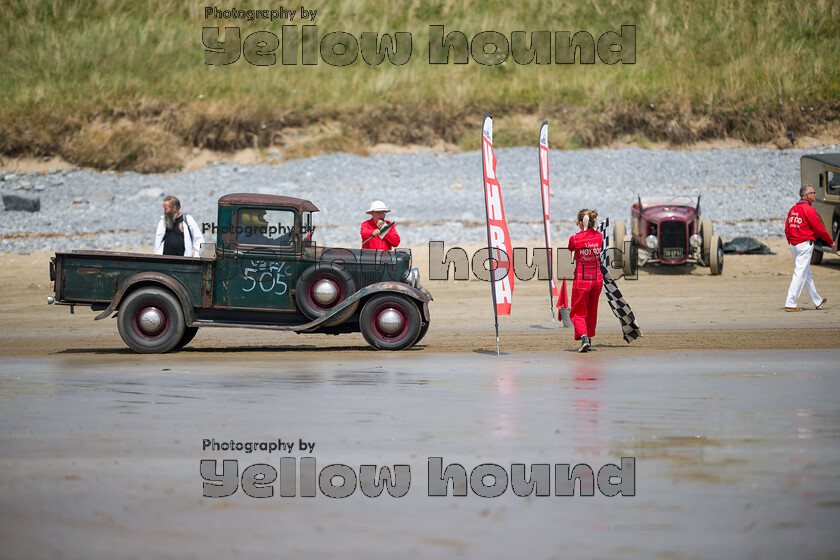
177,233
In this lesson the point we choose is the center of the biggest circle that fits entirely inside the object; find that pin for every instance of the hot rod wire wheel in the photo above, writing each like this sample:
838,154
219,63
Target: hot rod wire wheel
390,322
631,258
706,232
321,287
151,321
618,245
716,256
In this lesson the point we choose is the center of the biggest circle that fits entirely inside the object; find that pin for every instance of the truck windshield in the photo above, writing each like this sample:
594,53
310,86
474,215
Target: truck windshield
258,226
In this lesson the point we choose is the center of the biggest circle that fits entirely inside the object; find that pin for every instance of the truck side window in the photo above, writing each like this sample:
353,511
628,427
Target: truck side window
258,226
832,186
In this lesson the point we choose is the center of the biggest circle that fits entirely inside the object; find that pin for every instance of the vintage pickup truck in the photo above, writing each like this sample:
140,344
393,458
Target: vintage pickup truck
264,271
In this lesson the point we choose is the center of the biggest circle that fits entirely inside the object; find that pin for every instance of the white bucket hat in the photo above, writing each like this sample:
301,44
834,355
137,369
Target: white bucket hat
378,206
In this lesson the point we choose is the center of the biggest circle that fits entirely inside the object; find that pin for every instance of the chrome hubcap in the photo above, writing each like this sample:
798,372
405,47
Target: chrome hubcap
150,320
325,292
390,322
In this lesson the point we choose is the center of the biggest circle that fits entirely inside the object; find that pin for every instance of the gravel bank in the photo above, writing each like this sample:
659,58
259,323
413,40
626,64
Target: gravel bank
434,196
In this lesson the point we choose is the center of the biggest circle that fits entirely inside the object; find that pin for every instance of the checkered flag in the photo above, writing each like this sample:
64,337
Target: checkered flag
620,308
603,228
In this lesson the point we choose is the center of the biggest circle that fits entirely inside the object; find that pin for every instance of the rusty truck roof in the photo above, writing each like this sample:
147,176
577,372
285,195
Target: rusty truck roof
830,159
299,204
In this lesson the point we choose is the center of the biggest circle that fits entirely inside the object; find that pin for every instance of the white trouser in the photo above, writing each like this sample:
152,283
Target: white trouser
802,274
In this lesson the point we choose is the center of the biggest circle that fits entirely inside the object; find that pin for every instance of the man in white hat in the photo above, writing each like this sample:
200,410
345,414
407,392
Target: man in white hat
377,233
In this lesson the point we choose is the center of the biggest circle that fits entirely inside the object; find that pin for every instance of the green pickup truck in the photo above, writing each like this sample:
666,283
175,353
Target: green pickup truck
263,272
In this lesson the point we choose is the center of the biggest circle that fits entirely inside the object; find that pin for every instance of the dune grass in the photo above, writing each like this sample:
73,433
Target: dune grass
70,65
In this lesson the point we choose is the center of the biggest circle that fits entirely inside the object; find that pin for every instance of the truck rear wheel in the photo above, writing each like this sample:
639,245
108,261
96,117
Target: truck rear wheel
151,321
189,334
390,322
424,328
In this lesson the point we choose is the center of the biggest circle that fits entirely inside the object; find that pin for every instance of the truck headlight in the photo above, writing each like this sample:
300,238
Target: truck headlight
651,241
412,277
695,240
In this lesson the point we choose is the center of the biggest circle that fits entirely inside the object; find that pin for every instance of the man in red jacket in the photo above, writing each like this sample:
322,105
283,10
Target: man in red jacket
801,229
372,237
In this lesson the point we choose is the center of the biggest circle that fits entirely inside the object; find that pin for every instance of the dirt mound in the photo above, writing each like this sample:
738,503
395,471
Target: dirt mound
156,136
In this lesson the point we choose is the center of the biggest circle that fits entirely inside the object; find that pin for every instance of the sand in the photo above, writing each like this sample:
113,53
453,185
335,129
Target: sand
677,308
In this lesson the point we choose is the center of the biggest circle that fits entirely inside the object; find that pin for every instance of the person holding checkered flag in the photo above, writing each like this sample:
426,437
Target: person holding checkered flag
588,282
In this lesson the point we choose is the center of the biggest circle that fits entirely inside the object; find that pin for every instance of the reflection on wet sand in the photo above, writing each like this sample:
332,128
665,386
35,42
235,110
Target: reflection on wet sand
587,405
736,454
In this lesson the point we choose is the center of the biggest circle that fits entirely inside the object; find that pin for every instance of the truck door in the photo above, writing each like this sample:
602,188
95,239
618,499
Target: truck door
260,272
826,205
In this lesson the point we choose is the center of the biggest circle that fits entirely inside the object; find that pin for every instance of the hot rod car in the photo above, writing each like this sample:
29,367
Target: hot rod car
263,272
669,232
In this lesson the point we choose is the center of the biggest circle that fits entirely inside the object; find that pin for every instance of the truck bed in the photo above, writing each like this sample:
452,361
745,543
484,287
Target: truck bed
95,276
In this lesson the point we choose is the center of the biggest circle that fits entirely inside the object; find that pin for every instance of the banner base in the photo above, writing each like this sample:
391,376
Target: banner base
564,314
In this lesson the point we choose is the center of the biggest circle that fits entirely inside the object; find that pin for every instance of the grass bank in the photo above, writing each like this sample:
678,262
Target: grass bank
127,85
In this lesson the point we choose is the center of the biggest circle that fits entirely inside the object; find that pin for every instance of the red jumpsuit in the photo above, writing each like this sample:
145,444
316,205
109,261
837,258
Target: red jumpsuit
588,282
391,239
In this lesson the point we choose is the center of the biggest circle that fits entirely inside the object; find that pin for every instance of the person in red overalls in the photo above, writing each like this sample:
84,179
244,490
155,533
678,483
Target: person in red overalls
586,288
371,229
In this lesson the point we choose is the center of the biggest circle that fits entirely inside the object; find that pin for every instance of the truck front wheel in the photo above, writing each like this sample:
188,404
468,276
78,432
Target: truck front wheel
151,321
390,322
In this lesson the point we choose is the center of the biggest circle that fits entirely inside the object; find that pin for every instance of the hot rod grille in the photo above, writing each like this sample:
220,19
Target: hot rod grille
672,235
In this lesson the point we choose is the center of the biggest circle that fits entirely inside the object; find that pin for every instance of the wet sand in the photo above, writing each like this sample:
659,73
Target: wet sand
728,405
736,455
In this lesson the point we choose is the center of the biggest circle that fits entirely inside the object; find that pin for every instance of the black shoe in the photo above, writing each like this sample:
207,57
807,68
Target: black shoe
584,344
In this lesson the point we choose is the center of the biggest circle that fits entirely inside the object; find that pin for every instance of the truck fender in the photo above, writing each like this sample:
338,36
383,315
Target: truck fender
152,279
397,287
